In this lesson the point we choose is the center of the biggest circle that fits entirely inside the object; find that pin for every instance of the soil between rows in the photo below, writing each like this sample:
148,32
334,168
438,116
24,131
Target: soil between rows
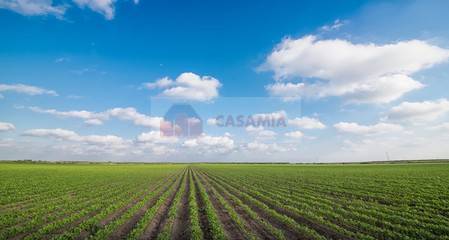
180,226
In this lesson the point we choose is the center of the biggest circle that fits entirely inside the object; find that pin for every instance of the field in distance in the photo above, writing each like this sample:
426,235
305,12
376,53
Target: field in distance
224,201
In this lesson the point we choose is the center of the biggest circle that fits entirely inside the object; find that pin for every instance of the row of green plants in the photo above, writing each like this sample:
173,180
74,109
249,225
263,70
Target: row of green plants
286,221
308,198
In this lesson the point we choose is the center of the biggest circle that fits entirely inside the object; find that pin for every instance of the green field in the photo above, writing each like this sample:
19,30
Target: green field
224,201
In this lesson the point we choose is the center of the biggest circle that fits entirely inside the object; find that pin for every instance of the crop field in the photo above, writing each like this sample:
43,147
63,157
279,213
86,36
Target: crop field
224,201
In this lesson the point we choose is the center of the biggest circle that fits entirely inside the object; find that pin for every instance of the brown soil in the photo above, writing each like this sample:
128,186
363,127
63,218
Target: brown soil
230,228
321,229
180,226
122,231
160,217
289,233
255,227
122,210
204,223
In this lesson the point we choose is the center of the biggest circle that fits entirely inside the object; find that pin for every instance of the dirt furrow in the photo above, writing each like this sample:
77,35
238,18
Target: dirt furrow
159,219
122,210
180,226
289,233
231,229
205,225
68,225
126,228
255,227
321,229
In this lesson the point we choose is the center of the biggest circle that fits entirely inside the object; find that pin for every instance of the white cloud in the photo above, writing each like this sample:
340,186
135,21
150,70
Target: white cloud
104,7
379,128
253,129
57,133
362,73
156,137
295,134
212,121
7,143
211,144
335,26
157,149
306,123
34,7
105,143
103,139
419,111
89,145
62,59
273,115
26,89
94,122
188,86
265,148
5,126
46,7
286,91
442,126
268,134
97,118
385,89
90,118
260,132
131,114
161,83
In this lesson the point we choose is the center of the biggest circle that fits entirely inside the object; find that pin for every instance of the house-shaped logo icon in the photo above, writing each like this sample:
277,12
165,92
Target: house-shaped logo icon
181,120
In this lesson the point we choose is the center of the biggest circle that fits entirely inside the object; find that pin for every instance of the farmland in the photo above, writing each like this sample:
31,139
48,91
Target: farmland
224,201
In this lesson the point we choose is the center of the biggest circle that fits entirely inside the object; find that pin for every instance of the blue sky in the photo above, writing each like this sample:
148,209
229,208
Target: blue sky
355,81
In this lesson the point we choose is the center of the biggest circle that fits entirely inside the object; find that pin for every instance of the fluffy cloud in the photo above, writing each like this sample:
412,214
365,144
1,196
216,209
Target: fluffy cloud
335,26
306,123
442,126
72,142
266,148
379,128
90,118
212,121
46,7
295,134
5,126
26,89
156,143
419,111
260,132
7,143
363,73
131,114
67,135
104,7
156,137
34,7
57,133
161,83
211,144
287,91
273,115
188,86
97,118
156,149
